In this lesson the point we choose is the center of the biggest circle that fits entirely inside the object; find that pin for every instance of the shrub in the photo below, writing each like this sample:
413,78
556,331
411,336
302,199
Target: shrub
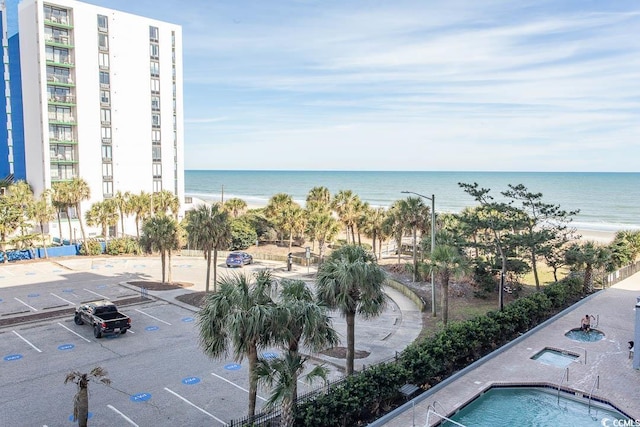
91,247
123,246
243,235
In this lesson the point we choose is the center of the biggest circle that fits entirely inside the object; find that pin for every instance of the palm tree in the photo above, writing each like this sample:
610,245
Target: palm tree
79,191
58,199
281,376
318,198
141,207
276,211
103,214
302,320
235,206
20,195
81,399
589,255
373,225
350,280
42,212
10,220
295,222
414,212
345,204
394,226
447,261
238,318
123,205
323,227
161,233
164,202
209,229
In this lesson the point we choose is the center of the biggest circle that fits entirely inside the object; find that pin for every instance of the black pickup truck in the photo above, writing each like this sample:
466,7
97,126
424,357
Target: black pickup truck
103,316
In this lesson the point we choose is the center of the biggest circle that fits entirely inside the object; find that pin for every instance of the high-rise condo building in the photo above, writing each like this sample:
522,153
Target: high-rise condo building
101,97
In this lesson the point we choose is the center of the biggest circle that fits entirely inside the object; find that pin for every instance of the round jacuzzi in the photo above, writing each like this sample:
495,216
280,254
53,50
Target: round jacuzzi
578,334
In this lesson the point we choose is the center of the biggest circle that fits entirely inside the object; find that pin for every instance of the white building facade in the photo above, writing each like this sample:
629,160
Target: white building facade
102,99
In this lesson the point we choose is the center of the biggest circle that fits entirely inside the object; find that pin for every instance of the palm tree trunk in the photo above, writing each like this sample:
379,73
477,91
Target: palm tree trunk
69,222
163,262
253,381
351,320
208,276
44,245
82,405
170,279
444,299
415,253
215,270
588,279
534,267
84,238
373,245
59,225
286,416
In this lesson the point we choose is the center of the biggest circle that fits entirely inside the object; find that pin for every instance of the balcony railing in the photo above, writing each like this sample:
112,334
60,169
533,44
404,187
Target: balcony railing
56,78
65,99
64,40
66,118
65,62
56,19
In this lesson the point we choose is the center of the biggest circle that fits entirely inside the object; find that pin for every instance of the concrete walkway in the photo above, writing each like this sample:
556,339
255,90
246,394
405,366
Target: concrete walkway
607,360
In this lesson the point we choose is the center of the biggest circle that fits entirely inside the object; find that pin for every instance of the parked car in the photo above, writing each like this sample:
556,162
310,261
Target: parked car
238,259
103,316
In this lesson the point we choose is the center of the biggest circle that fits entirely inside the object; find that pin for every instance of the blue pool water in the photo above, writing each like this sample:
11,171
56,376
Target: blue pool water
552,357
579,335
531,407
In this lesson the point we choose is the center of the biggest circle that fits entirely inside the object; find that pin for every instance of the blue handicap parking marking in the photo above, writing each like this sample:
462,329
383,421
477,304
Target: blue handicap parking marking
89,416
139,266
0,299
151,328
67,290
232,367
184,319
190,380
57,270
140,397
101,286
112,336
30,273
270,355
33,295
12,357
108,266
66,347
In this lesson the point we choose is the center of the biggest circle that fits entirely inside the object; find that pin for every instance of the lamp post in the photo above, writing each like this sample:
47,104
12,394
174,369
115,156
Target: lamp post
433,245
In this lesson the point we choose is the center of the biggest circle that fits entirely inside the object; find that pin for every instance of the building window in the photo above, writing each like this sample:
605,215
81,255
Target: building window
60,133
153,33
103,60
157,186
103,23
106,153
155,68
57,54
105,97
106,133
54,14
56,35
155,136
156,153
107,188
107,171
155,85
154,51
155,102
105,116
103,41
104,78
157,170
155,120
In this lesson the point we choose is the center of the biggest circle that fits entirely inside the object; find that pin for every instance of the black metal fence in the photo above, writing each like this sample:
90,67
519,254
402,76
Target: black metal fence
272,418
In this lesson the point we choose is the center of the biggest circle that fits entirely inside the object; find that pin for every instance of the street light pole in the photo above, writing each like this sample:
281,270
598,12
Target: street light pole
433,245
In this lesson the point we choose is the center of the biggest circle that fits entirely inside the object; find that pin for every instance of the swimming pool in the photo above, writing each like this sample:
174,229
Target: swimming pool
579,335
527,406
553,357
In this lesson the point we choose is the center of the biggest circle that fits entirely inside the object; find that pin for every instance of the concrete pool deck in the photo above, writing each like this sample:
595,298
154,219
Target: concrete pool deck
606,360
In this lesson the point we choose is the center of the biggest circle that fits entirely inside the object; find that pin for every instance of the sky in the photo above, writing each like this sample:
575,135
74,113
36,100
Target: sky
422,85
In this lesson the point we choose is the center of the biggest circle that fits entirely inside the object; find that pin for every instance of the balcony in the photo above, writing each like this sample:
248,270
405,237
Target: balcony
60,80
60,62
62,159
63,41
62,139
58,21
61,99
65,119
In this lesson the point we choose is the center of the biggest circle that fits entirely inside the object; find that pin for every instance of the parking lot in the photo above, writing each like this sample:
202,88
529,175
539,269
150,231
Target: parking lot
160,377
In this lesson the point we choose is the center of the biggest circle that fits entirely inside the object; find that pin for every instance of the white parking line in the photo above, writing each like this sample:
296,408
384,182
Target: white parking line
22,302
236,385
65,300
25,340
95,293
197,407
73,332
153,317
129,420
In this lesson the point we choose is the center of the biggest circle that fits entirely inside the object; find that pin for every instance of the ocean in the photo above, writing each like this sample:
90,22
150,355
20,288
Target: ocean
607,201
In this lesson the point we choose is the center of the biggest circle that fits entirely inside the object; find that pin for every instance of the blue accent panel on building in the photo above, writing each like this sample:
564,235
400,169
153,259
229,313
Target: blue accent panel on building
4,134
15,84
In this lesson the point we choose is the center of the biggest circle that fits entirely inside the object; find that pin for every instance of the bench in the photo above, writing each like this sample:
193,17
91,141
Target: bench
408,390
